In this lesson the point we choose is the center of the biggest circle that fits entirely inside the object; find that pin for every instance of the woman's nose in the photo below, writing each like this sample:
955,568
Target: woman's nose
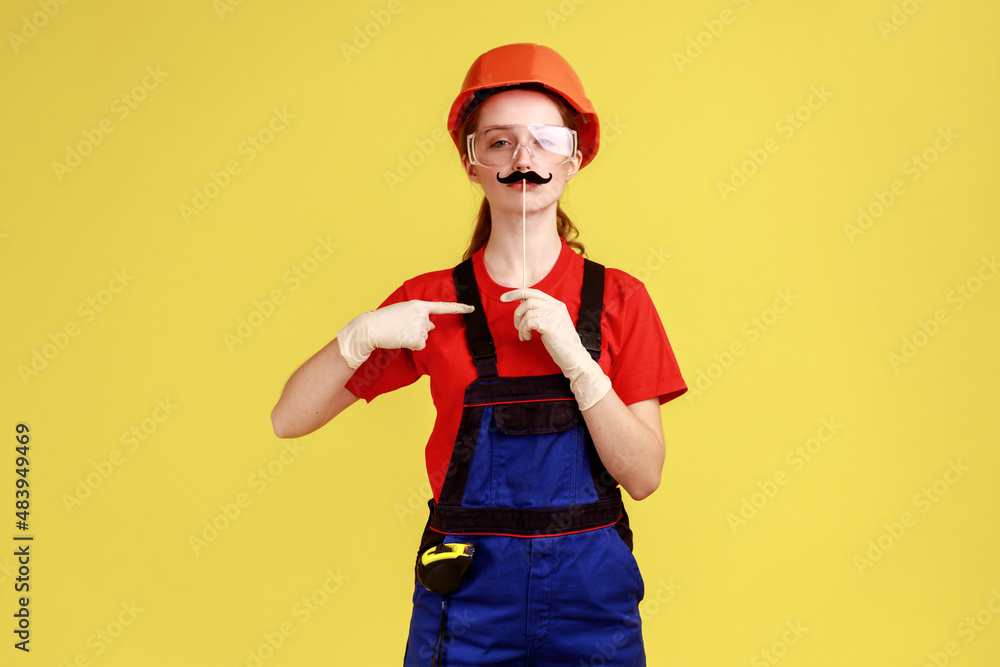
522,156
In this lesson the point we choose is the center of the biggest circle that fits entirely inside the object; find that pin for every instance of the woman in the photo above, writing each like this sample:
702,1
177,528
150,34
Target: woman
547,396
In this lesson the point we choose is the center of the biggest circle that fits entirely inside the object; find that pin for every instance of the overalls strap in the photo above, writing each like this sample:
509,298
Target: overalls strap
591,307
477,330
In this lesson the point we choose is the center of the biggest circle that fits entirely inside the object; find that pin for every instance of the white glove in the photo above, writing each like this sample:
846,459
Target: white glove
405,324
548,316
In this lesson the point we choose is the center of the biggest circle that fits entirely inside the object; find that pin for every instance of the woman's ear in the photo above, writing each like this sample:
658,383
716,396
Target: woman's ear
470,169
573,165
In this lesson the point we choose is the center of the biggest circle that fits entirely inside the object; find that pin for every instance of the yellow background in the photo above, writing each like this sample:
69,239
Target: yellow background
338,514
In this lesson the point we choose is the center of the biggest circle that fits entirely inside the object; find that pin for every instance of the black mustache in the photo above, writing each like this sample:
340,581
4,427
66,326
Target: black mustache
529,176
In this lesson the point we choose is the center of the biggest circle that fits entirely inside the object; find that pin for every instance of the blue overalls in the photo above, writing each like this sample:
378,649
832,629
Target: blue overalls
553,580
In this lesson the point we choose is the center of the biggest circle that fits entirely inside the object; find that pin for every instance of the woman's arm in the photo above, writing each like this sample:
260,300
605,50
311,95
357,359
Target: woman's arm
629,440
314,394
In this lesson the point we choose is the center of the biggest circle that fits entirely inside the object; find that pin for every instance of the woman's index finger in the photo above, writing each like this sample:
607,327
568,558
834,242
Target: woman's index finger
448,308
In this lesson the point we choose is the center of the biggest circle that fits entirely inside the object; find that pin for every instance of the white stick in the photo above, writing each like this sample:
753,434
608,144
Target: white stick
524,235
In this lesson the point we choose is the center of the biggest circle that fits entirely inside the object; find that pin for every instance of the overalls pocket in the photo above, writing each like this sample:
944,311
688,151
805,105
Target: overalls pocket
536,417
536,449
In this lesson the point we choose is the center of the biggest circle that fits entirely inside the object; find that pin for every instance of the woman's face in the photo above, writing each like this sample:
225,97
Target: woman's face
521,107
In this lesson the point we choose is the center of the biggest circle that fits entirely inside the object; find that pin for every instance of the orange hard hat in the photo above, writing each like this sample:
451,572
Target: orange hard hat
515,65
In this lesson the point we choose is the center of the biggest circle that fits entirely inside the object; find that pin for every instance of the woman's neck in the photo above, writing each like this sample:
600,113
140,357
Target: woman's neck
504,251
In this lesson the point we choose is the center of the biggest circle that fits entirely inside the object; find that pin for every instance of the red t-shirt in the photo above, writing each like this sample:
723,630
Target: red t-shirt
635,352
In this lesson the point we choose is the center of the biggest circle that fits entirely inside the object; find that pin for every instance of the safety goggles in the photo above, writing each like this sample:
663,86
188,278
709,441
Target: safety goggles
548,145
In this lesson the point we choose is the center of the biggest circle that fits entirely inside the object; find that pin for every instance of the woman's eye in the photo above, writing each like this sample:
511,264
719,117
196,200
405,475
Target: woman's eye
500,143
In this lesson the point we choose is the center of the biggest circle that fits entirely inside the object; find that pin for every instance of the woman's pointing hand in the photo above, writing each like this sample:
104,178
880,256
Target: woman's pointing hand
400,325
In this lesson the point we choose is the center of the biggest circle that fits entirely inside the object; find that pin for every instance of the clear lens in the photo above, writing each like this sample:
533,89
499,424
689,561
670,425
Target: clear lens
548,144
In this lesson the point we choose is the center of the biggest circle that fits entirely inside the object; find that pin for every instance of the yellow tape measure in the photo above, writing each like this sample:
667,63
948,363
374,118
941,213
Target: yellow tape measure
440,569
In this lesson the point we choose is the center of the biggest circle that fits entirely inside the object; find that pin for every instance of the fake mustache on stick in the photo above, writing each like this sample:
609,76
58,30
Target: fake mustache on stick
529,176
